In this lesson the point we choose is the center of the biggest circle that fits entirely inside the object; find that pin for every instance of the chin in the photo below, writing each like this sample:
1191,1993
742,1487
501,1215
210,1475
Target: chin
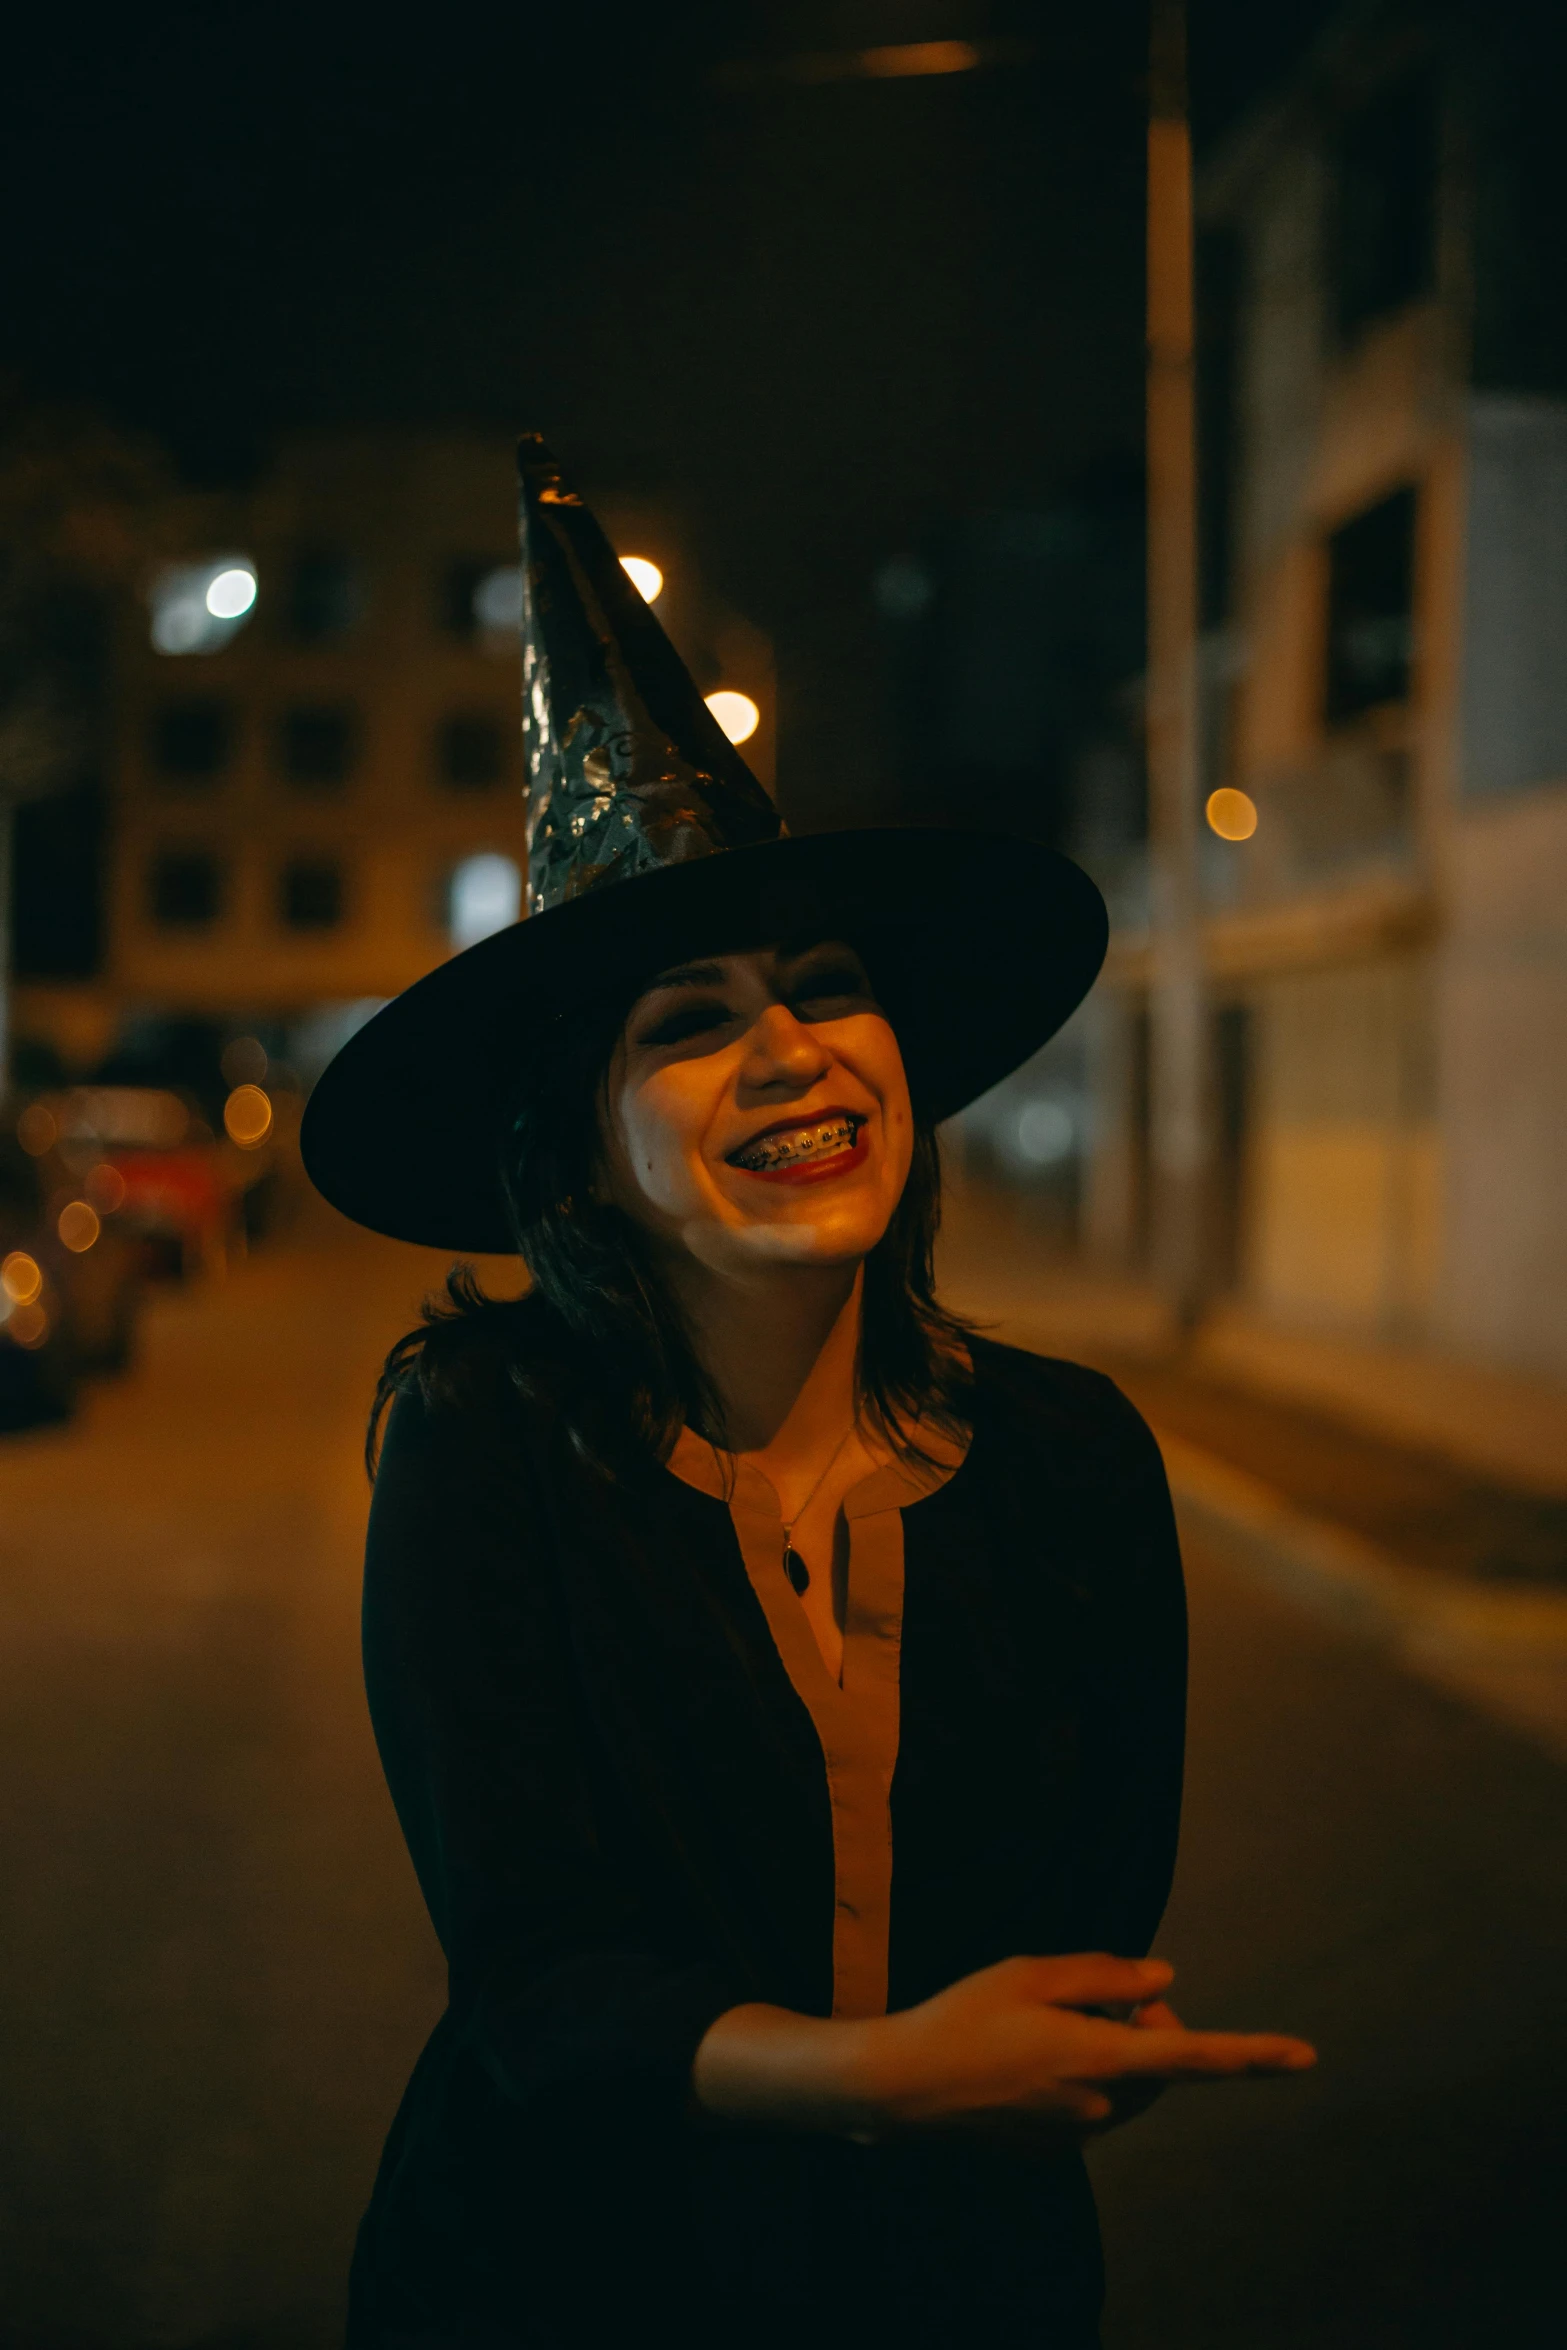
802,1240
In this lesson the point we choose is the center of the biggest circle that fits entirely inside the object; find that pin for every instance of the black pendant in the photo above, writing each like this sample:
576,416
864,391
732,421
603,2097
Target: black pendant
796,1569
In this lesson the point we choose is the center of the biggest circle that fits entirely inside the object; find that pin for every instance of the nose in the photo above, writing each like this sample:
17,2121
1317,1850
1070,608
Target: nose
782,1054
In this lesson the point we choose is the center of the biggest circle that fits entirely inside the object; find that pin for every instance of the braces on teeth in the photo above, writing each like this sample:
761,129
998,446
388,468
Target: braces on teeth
805,1142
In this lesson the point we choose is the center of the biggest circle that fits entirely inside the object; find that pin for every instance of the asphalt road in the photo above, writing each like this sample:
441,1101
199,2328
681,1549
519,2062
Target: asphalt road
215,1973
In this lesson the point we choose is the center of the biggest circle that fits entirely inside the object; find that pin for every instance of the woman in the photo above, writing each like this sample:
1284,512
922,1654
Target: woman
780,1686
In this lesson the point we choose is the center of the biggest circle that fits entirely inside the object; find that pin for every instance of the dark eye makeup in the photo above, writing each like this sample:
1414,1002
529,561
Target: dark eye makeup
829,979
821,990
685,1020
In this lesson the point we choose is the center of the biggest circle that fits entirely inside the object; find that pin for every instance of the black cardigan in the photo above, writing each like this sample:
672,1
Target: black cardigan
618,1811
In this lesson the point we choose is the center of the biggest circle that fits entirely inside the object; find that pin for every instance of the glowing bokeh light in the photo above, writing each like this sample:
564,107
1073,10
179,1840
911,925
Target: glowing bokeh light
483,896
1232,814
21,1278
247,1117
231,593
644,576
78,1226
199,607
736,713
37,1130
1045,1133
105,1187
28,1325
497,600
179,625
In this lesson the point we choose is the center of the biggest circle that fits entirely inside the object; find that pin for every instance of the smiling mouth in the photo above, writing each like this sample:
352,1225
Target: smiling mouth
798,1146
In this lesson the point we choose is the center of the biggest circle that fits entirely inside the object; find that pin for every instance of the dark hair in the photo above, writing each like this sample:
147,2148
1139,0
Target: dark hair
605,1344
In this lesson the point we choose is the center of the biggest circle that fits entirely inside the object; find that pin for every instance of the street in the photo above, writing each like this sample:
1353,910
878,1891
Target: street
1368,1863
216,1971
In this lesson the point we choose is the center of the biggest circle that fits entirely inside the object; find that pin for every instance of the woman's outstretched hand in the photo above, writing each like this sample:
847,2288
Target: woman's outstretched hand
1014,2044
1015,2048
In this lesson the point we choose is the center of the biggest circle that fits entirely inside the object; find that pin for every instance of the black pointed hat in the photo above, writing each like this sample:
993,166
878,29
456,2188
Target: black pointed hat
628,769
649,841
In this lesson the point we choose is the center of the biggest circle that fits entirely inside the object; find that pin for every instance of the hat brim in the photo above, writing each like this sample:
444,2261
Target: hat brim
979,946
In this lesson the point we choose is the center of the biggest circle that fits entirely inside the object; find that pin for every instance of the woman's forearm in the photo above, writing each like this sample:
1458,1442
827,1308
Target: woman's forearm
1023,2042
767,2064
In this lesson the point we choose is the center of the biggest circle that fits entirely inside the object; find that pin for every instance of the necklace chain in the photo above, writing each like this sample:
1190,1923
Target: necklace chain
791,1523
794,1566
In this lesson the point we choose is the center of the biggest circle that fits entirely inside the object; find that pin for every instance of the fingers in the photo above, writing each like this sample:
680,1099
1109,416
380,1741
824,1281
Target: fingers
1091,1978
1153,2043
1182,2055
1155,2016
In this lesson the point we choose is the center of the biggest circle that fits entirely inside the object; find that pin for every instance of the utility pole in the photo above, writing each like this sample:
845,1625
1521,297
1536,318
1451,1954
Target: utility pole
7,820
1179,1110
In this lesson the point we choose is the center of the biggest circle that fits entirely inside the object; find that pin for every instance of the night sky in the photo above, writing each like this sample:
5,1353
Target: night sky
812,317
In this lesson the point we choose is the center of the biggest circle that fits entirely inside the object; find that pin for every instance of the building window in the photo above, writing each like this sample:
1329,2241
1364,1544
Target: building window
325,597
483,895
310,894
192,742
184,889
459,585
470,750
1384,225
317,746
1371,568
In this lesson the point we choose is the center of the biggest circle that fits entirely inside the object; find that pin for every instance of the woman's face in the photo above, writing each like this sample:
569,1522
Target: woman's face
756,1112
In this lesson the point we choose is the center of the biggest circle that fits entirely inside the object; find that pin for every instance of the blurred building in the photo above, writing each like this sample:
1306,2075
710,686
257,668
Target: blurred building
313,765
1385,674
1009,637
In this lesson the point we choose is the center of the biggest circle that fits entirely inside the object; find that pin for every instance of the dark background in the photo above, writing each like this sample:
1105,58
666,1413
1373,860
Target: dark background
826,322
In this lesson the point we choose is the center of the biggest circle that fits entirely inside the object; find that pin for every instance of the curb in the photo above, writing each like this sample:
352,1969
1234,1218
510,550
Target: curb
1504,1651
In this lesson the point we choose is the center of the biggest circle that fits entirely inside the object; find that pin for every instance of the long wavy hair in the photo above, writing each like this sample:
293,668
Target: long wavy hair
599,1338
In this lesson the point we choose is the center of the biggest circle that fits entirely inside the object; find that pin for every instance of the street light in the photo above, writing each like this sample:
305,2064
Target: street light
1231,814
644,576
198,607
736,713
232,592
247,1116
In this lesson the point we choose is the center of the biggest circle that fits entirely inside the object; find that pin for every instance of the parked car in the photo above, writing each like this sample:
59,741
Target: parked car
147,1156
70,1278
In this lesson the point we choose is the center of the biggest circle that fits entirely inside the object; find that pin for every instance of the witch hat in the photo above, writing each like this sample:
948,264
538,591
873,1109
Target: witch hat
628,769
649,841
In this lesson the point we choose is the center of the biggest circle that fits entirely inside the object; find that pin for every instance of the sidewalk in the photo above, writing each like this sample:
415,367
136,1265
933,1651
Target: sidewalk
1419,1502
1501,1424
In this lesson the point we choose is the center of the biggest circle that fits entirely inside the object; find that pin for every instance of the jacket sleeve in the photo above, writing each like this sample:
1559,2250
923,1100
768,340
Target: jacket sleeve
1135,1725
556,1979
